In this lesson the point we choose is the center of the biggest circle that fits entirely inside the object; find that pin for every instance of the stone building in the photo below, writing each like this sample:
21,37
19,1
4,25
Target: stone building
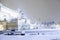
3,25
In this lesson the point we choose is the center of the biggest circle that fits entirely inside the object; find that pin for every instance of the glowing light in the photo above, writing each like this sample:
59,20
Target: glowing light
57,26
7,13
1,27
13,13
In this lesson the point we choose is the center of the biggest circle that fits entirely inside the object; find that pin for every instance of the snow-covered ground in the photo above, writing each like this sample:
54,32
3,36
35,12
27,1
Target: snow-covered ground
34,35
29,37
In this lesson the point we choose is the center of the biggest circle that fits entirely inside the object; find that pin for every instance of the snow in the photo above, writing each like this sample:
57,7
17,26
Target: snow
29,37
44,35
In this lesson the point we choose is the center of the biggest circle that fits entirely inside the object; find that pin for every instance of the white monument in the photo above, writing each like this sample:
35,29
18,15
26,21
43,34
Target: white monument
21,20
